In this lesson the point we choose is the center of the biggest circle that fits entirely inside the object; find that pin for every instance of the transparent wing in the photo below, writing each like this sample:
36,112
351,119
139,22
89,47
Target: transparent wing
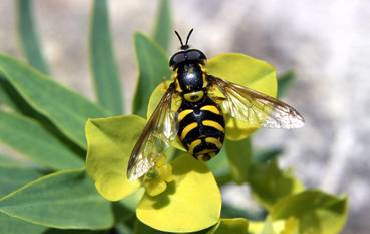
159,131
254,107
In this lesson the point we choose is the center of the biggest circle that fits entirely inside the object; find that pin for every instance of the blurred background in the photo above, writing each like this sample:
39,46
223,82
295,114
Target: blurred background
326,43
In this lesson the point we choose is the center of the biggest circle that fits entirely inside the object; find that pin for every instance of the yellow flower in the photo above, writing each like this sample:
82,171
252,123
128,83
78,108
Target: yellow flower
156,179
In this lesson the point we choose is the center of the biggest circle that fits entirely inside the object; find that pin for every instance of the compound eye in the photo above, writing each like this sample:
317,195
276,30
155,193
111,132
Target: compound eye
176,59
195,55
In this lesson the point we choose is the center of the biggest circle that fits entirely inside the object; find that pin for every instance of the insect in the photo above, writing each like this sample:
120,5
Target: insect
199,121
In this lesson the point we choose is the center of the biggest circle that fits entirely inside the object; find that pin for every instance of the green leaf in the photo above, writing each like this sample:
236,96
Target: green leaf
285,82
229,211
35,142
239,154
65,199
64,108
13,177
270,184
28,36
14,101
10,98
5,98
264,155
123,228
102,60
246,71
10,225
131,201
317,212
162,30
122,214
140,228
227,226
109,142
17,103
153,68
219,165
6,160
191,202
69,231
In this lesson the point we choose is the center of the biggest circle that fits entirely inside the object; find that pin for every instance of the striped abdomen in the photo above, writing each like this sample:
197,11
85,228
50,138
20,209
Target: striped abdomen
201,128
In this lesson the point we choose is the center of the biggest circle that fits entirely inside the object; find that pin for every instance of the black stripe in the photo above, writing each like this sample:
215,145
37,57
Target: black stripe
201,131
205,145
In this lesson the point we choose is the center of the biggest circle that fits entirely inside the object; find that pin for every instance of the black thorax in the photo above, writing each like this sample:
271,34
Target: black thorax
189,76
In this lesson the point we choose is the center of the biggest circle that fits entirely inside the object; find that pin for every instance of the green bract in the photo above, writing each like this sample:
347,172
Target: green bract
191,201
271,184
307,212
316,212
239,155
109,144
226,226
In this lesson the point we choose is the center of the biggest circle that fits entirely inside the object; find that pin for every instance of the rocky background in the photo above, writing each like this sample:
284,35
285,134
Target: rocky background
327,44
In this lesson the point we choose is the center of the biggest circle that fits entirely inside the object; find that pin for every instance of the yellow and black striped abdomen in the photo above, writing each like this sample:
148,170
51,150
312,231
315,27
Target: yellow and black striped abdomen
201,128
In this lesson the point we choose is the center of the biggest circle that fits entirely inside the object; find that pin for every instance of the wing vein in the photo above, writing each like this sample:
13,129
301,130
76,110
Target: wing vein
254,107
160,129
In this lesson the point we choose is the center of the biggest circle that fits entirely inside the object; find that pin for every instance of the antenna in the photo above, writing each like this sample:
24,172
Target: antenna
184,47
187,38
178,36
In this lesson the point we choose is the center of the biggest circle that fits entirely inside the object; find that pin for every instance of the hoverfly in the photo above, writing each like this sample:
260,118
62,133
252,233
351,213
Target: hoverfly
199,121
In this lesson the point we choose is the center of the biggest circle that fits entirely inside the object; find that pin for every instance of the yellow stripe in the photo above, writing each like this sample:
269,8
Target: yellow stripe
178,88
184,113
214,141
194,96
187,129
201,155
205,83
203,68
211,108
194,144
204,72
213,124
205,151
